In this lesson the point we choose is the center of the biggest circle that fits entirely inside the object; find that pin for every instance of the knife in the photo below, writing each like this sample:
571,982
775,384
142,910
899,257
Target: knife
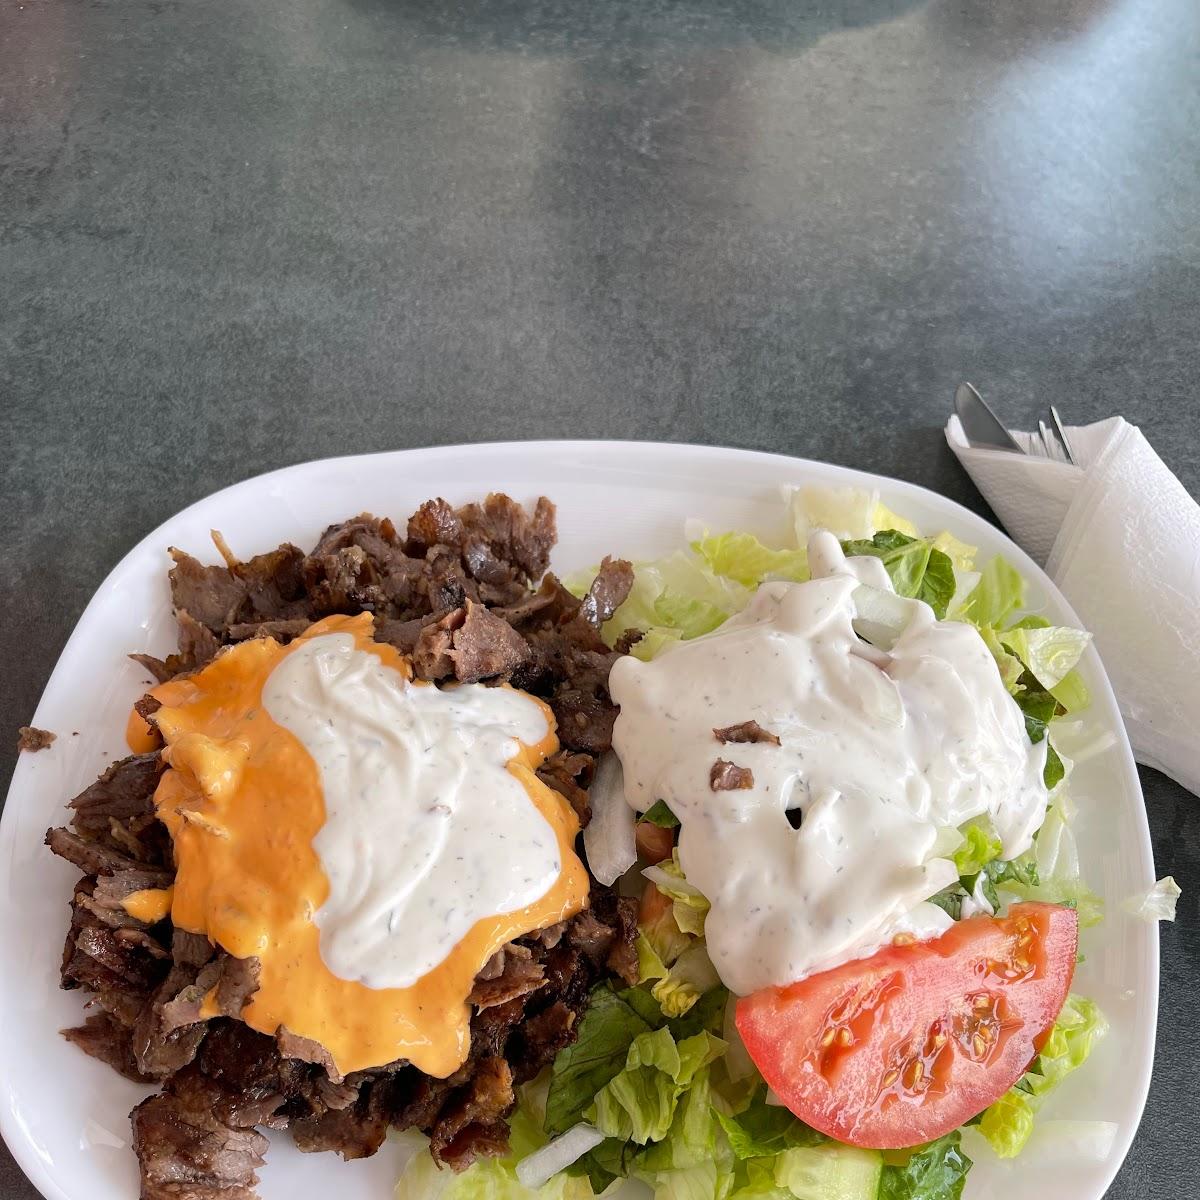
982,427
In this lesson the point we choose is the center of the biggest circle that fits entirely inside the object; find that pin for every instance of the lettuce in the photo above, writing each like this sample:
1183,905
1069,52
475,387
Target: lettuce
1010,666
762,1130
845,512
959,553
979,849
678,592
933,1172
638,1104
608,1028
916,569
1050,653
1050,872
705,1181
663,938
744,559
1008,1123
830,1172
998,594
689,907
660,814
688,978
488,1179
677,987
1157,903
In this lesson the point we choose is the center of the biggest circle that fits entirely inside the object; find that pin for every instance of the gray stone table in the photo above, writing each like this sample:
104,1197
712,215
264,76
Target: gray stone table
238,235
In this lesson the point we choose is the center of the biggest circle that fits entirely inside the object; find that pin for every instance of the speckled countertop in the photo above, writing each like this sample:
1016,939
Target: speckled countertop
234,236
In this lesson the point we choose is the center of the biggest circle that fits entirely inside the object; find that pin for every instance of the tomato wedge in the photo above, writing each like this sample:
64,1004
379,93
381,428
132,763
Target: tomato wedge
902,1047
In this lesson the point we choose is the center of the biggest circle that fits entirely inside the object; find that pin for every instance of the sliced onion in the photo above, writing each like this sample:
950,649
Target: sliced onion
537,1169
609,838
881,617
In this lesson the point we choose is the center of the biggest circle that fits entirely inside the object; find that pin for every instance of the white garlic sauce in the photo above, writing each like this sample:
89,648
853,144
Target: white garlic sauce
426,830
879,751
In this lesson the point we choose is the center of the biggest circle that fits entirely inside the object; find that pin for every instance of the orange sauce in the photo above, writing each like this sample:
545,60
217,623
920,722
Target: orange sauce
242,799
149,905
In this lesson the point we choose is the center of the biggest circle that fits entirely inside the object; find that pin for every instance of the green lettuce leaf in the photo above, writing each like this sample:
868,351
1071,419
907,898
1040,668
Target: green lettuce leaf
689,907
1050,652
660,814
688,615
705,1181
608,1028
980,848
744,559
677,592
1010,666
933,1172
692,1139
916,569
1053,773
830,1171
664,938
1008,1123
638,1103
687,979
1071,692
762,1130
755,1180
959,553
998,594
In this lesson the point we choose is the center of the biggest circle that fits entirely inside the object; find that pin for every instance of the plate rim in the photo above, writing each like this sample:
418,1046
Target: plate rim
20,1147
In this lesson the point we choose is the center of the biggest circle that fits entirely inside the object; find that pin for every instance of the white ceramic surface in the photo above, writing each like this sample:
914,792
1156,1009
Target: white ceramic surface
64,1115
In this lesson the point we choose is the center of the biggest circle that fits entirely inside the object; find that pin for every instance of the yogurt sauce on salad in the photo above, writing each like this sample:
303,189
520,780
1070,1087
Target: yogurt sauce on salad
880,753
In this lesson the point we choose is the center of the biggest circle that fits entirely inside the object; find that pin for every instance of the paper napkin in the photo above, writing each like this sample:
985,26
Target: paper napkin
1120,536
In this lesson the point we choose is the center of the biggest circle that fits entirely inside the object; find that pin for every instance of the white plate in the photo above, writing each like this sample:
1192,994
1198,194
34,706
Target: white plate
64,1115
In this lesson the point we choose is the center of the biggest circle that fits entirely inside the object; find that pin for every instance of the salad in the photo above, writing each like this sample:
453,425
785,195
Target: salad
775,1093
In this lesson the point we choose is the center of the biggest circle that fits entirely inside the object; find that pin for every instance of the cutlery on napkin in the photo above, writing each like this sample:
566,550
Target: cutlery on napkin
1120,536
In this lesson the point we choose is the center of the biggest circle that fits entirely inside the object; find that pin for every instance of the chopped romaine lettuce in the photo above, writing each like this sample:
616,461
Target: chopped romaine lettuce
688,978
1008,1123
679,592
744,559
690,907
608,1028
762,1130
933,1172
662,935
830,1171
1157,903
916,569
660,814
980,848
959,553
846,512
1010,666
638,1104
998,594
1050,652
